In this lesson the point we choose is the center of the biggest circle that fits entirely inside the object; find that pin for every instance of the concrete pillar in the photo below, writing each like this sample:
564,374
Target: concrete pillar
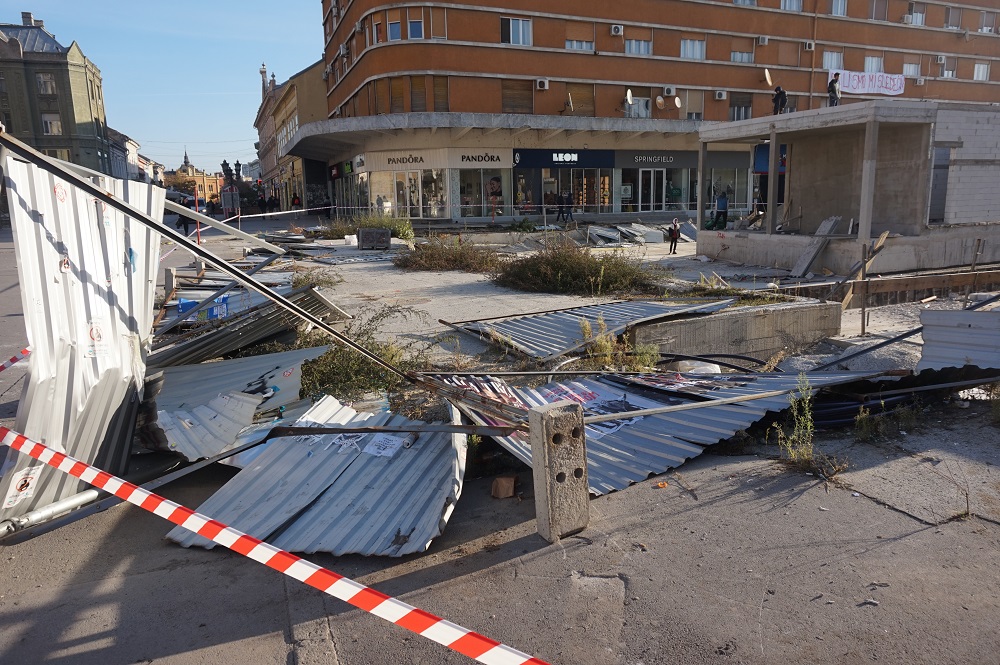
169,281
559,464
700,194
868,182
773,169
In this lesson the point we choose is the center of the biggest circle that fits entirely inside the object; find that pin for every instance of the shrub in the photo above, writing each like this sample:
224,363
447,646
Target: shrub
605,349
400,227
449,254
567,268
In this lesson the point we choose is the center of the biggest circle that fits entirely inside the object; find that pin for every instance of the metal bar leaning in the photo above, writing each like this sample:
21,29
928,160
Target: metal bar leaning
446,633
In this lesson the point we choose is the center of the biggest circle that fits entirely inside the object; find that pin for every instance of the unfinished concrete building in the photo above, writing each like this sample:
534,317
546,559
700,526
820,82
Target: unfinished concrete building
924,172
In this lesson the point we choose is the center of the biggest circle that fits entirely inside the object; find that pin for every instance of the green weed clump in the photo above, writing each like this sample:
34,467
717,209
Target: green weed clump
568,268
605,349
400,227
318,277
343,372
449,254
870,426
797,445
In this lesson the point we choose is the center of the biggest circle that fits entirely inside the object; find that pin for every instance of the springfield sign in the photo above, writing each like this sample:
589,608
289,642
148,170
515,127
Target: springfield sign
865,83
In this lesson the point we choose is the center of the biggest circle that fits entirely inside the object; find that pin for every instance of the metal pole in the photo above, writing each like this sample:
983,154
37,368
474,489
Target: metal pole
864,279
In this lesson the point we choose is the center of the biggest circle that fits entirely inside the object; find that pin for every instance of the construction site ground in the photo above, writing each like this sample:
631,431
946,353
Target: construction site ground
737,559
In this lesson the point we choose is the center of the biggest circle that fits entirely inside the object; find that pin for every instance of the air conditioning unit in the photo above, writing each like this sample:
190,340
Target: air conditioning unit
720,95
809,46
617,30
919,81
342,51
941,60
762,41
541,84
336,112
326,74
907,19
359,27
669,91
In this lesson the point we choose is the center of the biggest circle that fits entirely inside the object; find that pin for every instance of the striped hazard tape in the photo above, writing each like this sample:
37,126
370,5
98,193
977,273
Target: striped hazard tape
16,359
462,640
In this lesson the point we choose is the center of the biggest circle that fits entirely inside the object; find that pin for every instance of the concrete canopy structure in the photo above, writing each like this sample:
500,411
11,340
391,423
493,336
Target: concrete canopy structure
925,172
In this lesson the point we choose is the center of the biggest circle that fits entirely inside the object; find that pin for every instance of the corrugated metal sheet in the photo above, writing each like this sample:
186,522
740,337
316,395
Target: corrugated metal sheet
547,335
960,338
241,330
371,494
626,451
276,375
207,429
87,276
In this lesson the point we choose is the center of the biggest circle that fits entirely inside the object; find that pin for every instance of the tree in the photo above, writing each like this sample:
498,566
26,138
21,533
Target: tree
179,182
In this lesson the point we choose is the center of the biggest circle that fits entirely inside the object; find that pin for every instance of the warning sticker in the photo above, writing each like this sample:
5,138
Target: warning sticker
22,486
97,346
384,445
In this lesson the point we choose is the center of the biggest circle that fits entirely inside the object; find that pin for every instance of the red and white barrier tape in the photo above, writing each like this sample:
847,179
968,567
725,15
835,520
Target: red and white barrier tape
462,640
25,352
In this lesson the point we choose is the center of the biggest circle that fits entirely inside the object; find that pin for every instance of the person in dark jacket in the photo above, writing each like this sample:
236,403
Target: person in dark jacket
780,100
185,221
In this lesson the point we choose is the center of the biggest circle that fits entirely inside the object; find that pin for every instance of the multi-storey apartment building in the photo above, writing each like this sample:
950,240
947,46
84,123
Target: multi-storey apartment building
51,95
445,110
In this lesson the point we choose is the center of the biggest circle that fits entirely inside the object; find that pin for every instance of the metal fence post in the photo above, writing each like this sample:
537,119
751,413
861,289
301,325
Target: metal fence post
559,463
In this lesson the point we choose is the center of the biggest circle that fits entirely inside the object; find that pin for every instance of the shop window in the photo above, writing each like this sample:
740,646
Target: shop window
516,31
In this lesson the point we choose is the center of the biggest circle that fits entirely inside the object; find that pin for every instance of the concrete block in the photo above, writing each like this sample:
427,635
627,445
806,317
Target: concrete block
559,469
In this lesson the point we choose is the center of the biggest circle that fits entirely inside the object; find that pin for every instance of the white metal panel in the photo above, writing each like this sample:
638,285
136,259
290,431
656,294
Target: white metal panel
960,338
87,274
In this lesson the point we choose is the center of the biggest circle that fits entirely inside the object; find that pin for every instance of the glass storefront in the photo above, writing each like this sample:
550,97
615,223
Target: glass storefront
483,192
413,194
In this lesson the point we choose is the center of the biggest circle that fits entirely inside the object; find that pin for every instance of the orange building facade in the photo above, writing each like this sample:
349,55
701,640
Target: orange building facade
480,110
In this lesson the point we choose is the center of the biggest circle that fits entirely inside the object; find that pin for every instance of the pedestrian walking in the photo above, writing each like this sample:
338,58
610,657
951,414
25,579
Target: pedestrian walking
833,89
185,221
272,204
569,207
674,233
262,205
721,211
561,208
296,204
780,100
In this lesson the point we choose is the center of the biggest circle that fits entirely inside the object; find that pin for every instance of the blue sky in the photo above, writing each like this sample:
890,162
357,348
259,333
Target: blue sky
185,73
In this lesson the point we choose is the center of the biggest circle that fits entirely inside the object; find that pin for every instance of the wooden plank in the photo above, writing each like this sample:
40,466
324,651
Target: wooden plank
928,282
815,247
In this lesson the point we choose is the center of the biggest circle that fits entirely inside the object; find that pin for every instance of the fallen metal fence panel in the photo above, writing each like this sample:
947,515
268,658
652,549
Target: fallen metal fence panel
87,274
960,338
384,494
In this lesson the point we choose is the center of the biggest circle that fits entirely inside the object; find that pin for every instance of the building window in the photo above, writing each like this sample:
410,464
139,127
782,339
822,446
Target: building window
873,64
579,45
740,106
981,72
59,153
639,108
791,5
745,3
953,17
394,32
639,46
6,122
838,8
46,84
376,32
949,68
911,69
3,83
918,13
833,60
987,22
415,29
51,124
516,31
741,56
693,49
880,10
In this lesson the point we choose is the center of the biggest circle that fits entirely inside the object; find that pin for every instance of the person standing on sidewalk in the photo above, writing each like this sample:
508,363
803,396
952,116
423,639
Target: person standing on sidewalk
674,233
296,204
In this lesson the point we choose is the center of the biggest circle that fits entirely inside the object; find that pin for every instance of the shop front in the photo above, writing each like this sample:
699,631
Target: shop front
542,177
655,181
